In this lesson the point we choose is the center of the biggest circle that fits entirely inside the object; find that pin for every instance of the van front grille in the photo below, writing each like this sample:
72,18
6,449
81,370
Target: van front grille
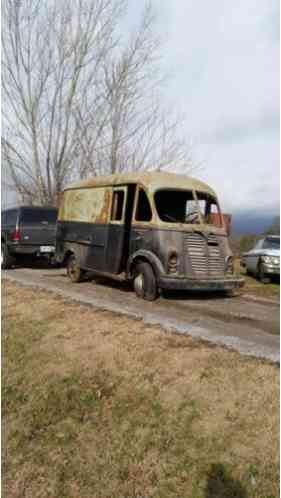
205,254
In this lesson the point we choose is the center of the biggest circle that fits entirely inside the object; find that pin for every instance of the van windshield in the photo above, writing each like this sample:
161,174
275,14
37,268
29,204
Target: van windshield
180,206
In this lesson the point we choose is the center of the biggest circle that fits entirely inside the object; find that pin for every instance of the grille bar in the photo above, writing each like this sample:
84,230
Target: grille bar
205,254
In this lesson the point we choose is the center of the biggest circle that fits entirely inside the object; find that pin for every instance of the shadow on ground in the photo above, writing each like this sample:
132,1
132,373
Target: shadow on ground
38,264
126,287
200,295
170,295
221,485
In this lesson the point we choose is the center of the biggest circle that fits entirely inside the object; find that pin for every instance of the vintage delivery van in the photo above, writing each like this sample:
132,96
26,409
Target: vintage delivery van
157,230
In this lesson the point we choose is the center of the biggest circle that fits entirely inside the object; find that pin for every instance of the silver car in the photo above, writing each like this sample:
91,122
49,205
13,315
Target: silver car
263,260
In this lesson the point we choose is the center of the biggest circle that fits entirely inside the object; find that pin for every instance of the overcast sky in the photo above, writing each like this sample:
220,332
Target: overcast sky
223,57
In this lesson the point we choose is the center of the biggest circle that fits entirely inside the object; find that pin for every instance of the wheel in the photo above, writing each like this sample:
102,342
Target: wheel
74,271
261,275
7,260
145,285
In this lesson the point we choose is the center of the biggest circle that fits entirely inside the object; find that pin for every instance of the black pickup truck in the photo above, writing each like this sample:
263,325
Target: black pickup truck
27,231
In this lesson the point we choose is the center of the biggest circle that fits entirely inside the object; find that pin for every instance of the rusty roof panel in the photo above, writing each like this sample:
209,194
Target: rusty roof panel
151,180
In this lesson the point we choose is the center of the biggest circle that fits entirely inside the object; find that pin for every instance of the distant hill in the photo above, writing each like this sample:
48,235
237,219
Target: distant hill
252,222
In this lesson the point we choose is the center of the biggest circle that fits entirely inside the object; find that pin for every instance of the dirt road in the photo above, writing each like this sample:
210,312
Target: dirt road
248,326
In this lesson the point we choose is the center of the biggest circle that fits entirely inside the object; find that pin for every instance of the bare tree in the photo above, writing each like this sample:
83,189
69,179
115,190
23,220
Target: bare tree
134,129
80,99
52,56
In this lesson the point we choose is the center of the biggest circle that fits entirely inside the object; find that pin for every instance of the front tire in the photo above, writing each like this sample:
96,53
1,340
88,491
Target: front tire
74,272
7,260
145,284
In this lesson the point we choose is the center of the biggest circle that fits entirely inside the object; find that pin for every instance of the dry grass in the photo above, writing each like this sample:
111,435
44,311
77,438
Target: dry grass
98,405
253,286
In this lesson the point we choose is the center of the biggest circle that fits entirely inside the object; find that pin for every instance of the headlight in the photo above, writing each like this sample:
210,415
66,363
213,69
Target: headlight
229,265
173,262
271,260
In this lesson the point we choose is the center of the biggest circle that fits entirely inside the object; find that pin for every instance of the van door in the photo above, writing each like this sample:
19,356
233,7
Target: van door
117,230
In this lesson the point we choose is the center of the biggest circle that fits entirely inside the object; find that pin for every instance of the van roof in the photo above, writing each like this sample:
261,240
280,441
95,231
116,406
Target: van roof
151,180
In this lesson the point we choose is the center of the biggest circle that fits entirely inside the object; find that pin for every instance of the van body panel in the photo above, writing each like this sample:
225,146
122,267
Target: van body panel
198,255
89,240
86,205
114,251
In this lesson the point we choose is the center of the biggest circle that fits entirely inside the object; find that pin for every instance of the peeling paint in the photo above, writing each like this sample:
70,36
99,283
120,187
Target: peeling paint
85,205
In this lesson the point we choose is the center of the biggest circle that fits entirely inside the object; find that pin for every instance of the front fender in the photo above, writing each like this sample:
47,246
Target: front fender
150,257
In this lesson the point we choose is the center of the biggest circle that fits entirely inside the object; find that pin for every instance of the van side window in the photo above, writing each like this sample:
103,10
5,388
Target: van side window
143,211
117,205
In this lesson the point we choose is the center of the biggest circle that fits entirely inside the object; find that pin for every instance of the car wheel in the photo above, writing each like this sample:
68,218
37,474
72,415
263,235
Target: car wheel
7,260
145,284
261,274
73,269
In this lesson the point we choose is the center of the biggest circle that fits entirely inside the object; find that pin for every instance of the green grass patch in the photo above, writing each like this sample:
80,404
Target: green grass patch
269,290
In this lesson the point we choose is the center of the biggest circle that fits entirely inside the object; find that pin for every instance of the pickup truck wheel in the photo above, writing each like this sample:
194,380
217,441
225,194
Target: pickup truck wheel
145,285
7,260
73,269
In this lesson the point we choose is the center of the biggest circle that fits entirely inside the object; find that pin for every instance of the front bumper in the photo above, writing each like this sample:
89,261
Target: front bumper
29,250
271,270
223,284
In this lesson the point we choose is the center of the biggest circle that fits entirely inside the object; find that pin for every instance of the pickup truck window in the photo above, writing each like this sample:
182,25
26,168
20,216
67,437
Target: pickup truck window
9,217
38,216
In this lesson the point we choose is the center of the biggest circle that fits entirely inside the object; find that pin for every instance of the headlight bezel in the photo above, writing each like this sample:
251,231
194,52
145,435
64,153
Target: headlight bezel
173,262
271,260
229,265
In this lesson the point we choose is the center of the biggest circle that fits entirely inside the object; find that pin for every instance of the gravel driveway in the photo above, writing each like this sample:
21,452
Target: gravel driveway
248,326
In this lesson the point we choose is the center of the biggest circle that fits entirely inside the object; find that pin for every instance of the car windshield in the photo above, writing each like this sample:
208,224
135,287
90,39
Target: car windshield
181,206
39,216
271,243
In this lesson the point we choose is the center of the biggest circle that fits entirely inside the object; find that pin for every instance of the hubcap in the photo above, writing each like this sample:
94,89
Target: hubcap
139,284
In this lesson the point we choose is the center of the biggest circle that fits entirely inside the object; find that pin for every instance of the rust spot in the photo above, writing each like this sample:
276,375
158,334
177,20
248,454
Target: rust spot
86,205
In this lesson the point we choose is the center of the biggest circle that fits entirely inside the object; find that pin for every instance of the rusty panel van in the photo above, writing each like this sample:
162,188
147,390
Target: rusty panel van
156,230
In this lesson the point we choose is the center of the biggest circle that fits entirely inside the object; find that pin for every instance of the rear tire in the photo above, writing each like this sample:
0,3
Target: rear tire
7,260
74,272
145,284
